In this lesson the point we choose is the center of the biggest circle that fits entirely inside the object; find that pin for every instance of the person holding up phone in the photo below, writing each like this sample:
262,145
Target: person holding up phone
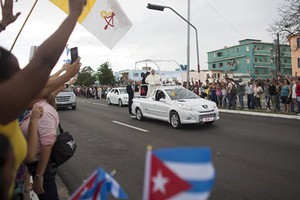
20,87
74,54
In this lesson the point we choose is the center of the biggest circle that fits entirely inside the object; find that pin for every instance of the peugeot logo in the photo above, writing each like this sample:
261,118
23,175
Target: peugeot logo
205,106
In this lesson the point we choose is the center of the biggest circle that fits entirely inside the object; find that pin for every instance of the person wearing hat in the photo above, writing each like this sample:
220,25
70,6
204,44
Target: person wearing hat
152,80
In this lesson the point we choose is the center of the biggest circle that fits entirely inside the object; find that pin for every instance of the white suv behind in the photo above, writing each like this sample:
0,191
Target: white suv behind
65,99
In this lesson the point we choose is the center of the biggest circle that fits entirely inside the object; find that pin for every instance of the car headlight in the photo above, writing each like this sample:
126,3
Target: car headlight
73,97
125,97
185,107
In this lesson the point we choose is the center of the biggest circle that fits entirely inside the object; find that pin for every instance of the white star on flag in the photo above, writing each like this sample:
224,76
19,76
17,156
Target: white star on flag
160,182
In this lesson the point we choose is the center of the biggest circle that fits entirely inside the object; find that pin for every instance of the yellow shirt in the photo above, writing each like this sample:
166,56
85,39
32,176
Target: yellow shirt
13,132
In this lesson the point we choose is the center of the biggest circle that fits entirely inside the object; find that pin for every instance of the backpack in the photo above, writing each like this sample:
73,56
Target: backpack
233,89
64,147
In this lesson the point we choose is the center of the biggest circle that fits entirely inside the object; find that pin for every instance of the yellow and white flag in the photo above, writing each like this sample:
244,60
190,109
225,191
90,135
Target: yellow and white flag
103,18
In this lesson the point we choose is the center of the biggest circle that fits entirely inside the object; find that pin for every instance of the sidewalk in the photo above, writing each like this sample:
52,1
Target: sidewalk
262,113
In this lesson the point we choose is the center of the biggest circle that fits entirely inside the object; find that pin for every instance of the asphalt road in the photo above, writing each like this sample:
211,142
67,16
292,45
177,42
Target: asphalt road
254,157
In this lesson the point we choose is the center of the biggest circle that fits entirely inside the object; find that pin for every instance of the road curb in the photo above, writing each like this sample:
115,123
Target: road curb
62,190
260,114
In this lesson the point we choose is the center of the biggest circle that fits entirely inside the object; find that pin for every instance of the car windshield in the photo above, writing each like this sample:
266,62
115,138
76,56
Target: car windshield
67,90
181,93
123,91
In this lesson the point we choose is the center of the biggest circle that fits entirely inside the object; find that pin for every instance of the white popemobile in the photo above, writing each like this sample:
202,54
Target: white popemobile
176,105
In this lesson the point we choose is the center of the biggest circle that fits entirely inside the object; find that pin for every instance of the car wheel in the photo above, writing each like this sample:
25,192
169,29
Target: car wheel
74,107
175,120
108,101
139,114
209,123
120,103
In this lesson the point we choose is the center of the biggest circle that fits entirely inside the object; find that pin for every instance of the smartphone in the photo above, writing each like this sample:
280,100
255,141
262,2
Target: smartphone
74,54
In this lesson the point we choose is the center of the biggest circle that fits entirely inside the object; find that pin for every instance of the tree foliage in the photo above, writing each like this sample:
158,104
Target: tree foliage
105,74
288,22
86,77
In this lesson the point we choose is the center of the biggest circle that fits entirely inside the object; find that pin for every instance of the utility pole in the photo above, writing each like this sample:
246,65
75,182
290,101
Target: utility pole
278,69
188,46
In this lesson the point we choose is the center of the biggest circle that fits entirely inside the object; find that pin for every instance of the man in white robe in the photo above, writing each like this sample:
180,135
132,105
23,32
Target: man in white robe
152,80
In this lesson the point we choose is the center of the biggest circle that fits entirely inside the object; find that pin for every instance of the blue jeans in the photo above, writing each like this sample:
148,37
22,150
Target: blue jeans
241,99
49,181
250,101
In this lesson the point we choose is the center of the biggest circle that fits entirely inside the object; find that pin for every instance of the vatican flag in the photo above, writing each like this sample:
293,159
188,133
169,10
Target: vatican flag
103,18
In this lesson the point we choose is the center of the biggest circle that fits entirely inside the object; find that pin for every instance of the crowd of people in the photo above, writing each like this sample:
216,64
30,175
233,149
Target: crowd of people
281,94
28,118
277,95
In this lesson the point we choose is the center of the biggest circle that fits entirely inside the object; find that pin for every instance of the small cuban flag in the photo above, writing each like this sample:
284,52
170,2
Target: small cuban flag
181,173
98,186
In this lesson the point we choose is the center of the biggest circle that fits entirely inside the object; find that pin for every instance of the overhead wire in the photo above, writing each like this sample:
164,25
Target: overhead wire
220,15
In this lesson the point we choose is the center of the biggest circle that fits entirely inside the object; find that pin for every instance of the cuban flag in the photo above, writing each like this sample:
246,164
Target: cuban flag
181,173
105,19
98,186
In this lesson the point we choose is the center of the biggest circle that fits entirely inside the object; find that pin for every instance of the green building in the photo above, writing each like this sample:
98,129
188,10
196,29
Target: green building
251,59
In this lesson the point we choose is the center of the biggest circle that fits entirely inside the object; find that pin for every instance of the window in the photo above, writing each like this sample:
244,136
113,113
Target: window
220,65
248,60
255,60
299,63
213,65
237,50
247,48
219,54
298,42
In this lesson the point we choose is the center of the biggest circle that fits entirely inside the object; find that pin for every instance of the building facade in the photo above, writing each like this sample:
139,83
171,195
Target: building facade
251,59
294,41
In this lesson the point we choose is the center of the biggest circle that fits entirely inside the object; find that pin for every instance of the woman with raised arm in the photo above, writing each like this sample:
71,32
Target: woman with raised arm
21,86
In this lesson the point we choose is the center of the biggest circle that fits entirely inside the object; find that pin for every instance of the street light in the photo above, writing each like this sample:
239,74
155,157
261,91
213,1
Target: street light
161,8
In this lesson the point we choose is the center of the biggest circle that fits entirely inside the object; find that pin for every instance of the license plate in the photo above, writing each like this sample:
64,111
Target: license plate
208,119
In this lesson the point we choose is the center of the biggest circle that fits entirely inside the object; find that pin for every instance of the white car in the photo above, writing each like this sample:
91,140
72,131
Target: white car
117,96
66,98
176,105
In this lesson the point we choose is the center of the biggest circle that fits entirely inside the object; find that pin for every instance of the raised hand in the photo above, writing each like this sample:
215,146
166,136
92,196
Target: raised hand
76,6
7,13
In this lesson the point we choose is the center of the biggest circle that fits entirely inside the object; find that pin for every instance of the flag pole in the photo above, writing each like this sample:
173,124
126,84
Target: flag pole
147,173
23,26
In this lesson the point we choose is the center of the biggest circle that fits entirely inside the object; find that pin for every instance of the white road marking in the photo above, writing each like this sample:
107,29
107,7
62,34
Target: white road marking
133,127
100,104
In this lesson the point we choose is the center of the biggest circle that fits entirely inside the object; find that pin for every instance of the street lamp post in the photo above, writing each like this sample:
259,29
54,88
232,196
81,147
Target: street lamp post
161,8
278,68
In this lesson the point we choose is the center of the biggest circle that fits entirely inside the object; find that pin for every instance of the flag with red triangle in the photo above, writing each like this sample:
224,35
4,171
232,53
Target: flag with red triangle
178,173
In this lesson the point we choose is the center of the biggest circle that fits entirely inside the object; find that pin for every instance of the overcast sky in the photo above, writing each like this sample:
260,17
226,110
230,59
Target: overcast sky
154,34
